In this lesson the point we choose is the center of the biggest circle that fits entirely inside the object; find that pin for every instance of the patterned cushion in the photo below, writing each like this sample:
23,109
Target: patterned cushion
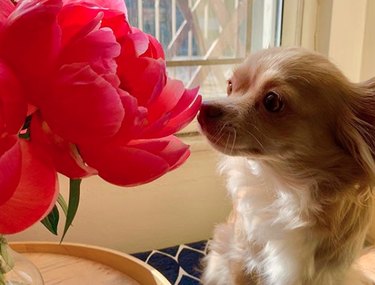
179,264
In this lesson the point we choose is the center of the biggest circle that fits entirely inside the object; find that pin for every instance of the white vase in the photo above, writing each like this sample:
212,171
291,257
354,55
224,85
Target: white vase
15,268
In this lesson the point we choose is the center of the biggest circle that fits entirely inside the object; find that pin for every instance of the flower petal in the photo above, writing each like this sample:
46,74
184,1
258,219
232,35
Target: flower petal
36,192
97,49
10,167
33,25
155,49
13,107
108,4
183,113
133,120
124,166
171,149
134,44
135,72
76,21
64,155
83,107
6,8
168,99
177,118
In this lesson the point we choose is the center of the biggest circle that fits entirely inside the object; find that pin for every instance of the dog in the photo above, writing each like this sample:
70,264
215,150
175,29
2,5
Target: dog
298,140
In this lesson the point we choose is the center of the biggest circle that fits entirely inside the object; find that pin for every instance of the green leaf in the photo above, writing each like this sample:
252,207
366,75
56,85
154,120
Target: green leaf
52,220
62,203
74,193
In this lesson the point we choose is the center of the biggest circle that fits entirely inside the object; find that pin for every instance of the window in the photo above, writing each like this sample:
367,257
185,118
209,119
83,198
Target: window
204,39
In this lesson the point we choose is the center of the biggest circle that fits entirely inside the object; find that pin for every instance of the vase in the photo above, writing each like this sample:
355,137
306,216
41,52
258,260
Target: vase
15,268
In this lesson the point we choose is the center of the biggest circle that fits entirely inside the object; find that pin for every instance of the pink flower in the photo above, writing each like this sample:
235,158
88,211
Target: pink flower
28,185
98,97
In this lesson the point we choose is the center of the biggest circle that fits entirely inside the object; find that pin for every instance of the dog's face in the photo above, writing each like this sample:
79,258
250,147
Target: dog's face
281,103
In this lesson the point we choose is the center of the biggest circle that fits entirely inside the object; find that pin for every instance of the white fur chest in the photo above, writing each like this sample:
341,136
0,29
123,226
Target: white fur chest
272,216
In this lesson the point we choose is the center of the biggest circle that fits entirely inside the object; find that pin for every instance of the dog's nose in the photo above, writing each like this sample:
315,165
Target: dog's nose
209,112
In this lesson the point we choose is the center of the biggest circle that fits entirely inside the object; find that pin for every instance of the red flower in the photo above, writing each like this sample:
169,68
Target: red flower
28,185
98,96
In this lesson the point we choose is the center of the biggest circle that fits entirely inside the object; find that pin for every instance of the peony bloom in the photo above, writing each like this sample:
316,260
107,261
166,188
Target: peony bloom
96,97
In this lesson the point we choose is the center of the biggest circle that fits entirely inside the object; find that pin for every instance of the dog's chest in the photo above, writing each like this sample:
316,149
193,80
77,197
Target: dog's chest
273,220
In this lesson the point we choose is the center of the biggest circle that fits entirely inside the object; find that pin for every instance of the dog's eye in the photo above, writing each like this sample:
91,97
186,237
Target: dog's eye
229,87
273,102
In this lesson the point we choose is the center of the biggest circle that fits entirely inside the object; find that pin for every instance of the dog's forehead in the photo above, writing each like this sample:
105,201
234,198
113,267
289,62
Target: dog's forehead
261,68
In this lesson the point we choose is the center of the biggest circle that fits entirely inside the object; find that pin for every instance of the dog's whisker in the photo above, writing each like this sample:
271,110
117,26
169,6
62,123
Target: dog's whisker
226,144
234,140
219,134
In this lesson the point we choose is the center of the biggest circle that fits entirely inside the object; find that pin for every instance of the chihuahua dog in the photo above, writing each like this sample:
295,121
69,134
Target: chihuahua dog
298,141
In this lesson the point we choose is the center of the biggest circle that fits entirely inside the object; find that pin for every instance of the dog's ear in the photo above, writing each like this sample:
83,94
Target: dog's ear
356,127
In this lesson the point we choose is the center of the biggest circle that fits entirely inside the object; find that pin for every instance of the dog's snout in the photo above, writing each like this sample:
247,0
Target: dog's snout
210,112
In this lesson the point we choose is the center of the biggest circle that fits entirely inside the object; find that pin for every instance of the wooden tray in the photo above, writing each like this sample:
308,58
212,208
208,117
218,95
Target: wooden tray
76,264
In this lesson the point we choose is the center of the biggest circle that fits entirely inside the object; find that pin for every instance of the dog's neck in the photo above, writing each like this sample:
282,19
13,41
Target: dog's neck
306,222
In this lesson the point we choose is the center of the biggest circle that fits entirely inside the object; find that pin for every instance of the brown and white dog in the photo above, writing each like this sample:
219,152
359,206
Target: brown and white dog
299,144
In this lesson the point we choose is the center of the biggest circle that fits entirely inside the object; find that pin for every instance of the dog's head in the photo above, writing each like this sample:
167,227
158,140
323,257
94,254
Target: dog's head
293,106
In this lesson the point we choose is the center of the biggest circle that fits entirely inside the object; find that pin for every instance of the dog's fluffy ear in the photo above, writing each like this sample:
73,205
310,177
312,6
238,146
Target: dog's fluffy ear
356,129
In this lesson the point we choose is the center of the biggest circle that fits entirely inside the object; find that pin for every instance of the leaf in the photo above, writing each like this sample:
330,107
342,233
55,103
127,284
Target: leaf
74,193
62,203
52,220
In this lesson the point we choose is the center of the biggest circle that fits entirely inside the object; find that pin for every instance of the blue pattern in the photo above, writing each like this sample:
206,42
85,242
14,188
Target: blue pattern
179,264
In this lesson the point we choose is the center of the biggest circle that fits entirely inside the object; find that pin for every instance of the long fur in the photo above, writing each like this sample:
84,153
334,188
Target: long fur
300,180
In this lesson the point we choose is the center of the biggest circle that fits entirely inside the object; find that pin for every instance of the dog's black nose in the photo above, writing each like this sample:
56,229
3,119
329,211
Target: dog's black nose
210,111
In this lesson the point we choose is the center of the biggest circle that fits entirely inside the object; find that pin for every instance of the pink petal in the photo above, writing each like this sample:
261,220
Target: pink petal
10,167
32,39
36,192
64,155
134,73
117,22
13,107
171,149
179,117
155,49
108,4
134,44
184,112
124,166
25,7
133,120
6,8
83,107
98,49
92,47
77,21
168,99
145,45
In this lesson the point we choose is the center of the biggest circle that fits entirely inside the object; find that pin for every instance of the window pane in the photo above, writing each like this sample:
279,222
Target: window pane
203,39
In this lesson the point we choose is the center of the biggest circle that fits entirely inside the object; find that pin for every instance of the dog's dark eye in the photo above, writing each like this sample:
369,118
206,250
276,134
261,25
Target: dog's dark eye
229,87
273,102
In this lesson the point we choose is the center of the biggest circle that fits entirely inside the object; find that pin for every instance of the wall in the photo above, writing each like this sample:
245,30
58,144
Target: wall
347,36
